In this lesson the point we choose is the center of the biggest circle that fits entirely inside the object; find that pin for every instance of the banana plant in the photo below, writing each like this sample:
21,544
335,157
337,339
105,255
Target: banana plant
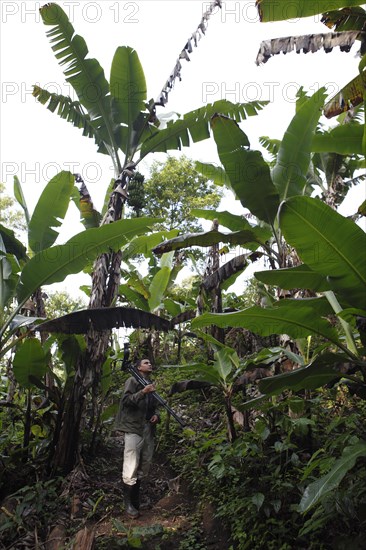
124,125
24,270
259,188
329,248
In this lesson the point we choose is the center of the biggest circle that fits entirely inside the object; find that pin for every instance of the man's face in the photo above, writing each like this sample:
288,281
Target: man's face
145,366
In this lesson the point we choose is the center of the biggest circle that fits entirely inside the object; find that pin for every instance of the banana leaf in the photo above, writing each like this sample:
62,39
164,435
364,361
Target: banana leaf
9,277
133,296
293,158
323,486
280,10
300,276
248,172
225,272
195,125
344,139
210,238
306,43
328,244
347,98
86,76
79,322
128,89
49,212
29,360
158,287
227,219
11,244
54,264
213,173
89,216
18,194
322,370
347,19
297,318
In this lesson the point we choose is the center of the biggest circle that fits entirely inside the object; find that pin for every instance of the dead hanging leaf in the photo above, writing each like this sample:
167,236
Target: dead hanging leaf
250,377
188,48
183,317
105,318
224,272
306,43
349,97
89,216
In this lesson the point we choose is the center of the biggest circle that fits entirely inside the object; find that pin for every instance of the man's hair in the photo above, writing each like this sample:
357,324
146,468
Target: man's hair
139,361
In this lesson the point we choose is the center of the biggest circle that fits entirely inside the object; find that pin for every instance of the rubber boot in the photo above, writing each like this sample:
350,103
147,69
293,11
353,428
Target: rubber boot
135,495
129,507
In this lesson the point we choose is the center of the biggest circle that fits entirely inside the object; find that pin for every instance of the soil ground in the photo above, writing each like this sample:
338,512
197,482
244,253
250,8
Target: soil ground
173,517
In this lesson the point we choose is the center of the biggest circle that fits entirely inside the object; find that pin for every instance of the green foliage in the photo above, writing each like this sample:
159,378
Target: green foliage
32,507
257,483
173,189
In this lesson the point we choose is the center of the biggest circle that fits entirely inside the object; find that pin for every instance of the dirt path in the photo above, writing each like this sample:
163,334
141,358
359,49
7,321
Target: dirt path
172,518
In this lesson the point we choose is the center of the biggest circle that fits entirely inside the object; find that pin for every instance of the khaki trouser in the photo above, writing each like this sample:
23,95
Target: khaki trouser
137,456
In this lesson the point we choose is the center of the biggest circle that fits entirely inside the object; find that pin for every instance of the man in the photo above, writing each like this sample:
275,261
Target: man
137,419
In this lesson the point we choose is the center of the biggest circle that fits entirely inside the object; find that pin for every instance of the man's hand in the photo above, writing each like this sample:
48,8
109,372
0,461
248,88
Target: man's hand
149,388
154,419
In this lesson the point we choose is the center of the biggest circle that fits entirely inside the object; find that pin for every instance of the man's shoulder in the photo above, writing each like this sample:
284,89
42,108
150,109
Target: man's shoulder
131,383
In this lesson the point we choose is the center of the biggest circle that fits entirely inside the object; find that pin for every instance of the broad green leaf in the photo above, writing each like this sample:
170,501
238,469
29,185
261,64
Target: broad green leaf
223,364
210,238
172,307
9,269
128,88
167,260
135,281
18,194
231,221
86,76
70,349
248,172
293,158
49,212
297,318
54,264
29,360
328,244
300,276
11,245
344,139
145,243
347,19
322,370
158,287
134,297
281,10
195,125
106,378
213,173
321,487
